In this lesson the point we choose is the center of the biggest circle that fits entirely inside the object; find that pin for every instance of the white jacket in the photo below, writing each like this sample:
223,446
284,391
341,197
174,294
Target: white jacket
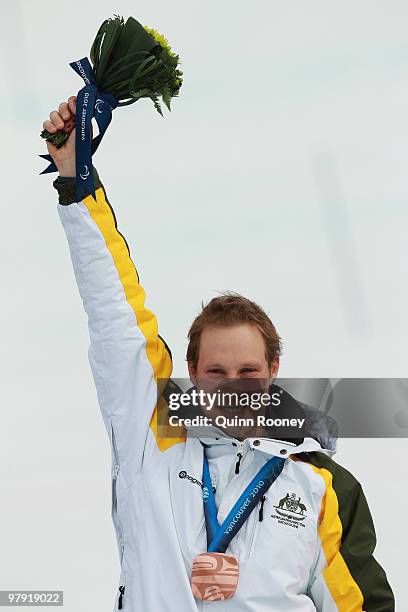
318,558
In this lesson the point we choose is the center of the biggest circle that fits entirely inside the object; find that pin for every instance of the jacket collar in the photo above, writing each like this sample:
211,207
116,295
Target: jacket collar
269,446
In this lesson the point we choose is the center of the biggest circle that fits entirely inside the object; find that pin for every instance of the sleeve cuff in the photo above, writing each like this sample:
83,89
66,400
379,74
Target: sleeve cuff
66,187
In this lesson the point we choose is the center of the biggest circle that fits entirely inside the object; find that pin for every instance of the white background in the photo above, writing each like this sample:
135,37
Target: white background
280,174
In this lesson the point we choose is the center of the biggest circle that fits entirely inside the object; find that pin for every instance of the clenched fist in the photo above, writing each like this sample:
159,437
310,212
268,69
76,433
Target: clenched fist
63,119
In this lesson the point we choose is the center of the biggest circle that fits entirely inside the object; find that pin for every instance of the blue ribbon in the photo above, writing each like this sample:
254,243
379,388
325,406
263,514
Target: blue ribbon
91,102
219,536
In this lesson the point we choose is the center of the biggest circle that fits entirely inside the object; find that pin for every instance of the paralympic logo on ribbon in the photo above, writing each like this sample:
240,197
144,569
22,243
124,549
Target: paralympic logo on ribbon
91,103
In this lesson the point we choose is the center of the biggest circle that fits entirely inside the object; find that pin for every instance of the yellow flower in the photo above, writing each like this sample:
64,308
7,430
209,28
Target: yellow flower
163,42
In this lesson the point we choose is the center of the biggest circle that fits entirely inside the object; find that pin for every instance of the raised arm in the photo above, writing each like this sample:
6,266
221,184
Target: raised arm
126,353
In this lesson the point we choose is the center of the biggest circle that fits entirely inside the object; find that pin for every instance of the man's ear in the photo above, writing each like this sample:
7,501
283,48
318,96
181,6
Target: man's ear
274,369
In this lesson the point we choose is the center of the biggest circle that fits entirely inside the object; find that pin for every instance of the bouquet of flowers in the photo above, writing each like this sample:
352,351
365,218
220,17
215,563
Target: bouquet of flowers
129,62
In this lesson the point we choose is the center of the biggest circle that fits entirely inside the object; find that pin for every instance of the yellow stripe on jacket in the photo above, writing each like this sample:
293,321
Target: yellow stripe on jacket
157,354
341,584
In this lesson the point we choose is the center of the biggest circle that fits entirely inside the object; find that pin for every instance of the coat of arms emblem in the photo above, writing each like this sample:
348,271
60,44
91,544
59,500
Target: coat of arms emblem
290,506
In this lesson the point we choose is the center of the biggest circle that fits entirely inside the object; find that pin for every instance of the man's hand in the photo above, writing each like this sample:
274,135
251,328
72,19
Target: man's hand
63,119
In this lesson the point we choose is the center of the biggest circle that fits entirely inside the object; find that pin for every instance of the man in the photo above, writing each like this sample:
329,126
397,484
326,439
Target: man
306,543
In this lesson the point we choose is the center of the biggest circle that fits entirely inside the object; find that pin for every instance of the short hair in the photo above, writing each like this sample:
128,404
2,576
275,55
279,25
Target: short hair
230,309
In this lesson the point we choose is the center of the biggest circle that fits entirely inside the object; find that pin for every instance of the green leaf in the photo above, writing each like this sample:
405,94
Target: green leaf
142,93
156,104
135,55
105,43
57,138
166,95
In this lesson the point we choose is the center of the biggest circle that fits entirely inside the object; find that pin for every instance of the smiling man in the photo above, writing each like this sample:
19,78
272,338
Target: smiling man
242,523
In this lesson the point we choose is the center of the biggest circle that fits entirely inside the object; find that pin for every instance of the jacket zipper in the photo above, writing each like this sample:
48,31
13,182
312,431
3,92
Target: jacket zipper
121,594
260,514
121,541
238,463
240,454
256,522
115,474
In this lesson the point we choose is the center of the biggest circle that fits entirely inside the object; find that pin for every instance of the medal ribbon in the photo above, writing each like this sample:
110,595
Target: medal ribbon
219,536
91,102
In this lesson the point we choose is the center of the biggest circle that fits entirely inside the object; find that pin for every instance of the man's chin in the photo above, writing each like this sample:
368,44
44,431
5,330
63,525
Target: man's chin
238,411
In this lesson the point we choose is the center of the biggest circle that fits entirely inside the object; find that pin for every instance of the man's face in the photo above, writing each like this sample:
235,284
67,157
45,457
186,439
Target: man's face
232,352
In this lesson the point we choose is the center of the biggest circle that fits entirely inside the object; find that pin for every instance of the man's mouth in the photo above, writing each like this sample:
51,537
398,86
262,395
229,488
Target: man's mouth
232,409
